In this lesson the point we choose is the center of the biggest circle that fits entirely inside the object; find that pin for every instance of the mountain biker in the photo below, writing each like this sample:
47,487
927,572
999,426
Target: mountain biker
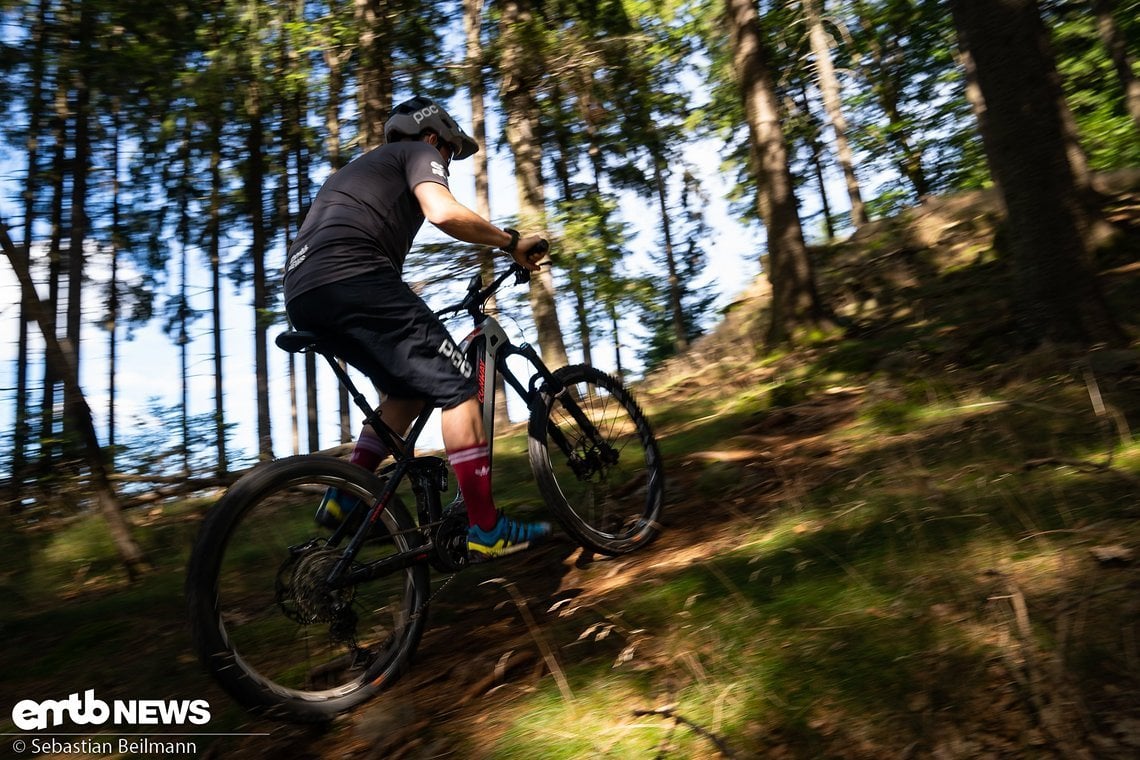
343,280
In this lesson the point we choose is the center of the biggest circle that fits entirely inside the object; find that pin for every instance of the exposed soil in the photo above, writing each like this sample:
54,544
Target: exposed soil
469,669
1030,705
476,667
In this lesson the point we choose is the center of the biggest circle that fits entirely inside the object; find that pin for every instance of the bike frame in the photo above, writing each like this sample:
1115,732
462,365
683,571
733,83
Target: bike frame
487,347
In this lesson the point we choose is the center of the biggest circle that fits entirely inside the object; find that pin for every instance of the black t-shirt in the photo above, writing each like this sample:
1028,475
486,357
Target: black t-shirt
364,216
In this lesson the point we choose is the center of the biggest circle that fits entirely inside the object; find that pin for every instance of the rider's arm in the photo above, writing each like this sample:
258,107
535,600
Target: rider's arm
442,209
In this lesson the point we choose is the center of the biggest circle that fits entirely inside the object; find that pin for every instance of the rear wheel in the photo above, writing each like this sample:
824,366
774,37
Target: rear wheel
596,460
264,620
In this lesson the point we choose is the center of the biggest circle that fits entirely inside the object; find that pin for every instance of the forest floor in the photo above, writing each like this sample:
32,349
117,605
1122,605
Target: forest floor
912,540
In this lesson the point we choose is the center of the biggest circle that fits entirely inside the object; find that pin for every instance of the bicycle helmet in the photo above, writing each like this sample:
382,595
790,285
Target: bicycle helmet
415,116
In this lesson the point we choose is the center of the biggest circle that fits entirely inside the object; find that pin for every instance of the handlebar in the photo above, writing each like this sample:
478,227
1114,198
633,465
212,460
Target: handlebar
477,295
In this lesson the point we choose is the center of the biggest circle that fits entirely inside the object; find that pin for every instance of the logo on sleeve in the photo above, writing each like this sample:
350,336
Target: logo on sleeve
437,168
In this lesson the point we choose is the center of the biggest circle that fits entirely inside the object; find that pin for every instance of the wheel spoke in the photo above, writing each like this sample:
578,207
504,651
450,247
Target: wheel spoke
265,618
596,462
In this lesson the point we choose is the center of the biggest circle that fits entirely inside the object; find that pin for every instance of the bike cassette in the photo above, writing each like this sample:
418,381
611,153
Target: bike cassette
302,591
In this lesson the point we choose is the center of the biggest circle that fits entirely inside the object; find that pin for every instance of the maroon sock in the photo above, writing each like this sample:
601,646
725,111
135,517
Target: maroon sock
369,450
473,471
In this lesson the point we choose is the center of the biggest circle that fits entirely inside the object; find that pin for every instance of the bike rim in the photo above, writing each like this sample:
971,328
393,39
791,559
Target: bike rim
611,483
284,627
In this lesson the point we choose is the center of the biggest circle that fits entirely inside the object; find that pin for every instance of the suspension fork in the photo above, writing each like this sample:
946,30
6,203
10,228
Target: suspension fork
545,381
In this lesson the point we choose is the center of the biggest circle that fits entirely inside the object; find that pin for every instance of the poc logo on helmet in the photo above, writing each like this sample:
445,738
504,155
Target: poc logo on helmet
424,113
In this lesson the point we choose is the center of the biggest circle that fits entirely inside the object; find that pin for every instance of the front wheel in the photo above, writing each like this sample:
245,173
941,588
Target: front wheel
596,460
265,621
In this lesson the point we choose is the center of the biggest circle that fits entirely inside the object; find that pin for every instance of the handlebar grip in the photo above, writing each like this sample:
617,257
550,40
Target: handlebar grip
522,276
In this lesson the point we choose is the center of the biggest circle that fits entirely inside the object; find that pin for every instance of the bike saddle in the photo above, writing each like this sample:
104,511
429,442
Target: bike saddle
295,341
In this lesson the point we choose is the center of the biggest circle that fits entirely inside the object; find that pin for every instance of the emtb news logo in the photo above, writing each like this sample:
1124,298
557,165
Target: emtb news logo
30,715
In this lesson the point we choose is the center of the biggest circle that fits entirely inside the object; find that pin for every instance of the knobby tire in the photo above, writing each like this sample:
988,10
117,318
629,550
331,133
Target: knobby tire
263,621
607,487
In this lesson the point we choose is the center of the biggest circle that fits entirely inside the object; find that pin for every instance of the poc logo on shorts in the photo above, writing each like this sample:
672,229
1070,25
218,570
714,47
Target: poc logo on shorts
458,360
424,113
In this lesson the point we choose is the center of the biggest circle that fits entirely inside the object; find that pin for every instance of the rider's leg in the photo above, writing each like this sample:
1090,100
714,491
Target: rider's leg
398,414
490,534
368,453
466,443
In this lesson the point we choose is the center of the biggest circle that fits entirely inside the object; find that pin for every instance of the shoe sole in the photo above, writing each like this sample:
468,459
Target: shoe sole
476,557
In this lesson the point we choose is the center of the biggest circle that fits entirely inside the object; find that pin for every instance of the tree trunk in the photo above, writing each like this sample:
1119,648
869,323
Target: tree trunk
80,163
795,304
1056,293
291,163
254,189
335,61
375,70
214,233
472,18
519,71
680,336
49,450
615,330
62,359
183,317
301,163
113,285
573,264
833,104
35,108
581,311
909,159
472,26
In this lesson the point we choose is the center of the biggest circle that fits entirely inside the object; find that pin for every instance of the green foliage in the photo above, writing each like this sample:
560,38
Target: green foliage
625,87
835,614
687,233
1093,91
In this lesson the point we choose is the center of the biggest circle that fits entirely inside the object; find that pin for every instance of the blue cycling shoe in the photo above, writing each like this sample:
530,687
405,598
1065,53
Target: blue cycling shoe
506,537
334,508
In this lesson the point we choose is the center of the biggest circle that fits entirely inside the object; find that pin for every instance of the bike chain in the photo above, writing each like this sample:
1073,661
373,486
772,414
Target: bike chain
420,610
419,530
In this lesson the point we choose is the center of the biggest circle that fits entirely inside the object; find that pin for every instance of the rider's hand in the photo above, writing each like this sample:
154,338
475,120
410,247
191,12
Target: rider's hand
525,253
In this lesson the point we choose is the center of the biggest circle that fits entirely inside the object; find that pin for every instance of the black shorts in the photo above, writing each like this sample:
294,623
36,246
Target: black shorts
377,324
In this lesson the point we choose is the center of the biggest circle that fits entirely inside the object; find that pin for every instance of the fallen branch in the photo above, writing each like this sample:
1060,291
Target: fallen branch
536,634
669,711
60,356
1083,465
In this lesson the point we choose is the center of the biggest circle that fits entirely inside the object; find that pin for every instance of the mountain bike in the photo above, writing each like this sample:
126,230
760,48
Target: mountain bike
300,622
